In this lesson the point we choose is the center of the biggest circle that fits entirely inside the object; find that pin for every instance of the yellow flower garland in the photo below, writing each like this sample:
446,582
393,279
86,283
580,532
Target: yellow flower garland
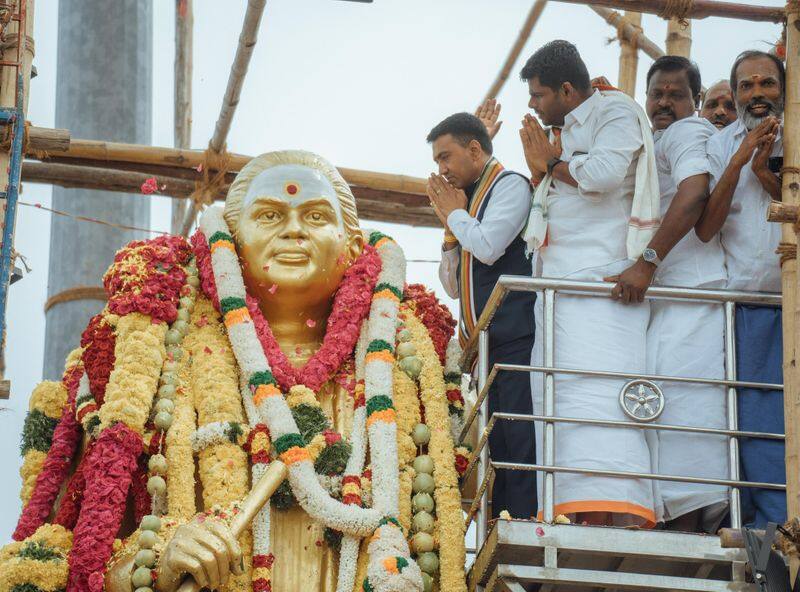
449,523
139,353
180,458
214,384
49,397
49,575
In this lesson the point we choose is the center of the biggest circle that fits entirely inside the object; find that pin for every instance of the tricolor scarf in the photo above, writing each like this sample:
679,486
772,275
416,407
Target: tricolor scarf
491,172
645,210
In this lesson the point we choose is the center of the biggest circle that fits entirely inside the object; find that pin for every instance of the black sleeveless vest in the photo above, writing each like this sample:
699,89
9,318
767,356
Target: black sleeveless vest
514,319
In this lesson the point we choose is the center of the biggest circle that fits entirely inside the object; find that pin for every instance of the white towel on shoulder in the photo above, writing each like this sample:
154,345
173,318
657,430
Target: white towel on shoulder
644,219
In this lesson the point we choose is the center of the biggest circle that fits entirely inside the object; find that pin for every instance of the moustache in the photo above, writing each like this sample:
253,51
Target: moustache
664,112
752,104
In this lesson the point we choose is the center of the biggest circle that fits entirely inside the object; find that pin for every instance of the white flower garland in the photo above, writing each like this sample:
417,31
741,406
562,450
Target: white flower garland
217,432
451,366
271,407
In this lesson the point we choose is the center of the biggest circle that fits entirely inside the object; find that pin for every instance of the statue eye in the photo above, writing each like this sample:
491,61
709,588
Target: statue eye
269,216
316,216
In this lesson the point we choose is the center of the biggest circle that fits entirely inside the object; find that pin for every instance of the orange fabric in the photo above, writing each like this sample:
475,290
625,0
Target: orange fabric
606,506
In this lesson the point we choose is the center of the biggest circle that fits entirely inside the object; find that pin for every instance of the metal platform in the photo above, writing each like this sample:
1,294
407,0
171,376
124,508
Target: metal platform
521,555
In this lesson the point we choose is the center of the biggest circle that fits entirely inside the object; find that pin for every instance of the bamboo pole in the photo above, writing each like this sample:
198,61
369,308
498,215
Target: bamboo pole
120,152
679,38
184,23
374,201
699,9
791,312
625,30
629,55
516,49
241,61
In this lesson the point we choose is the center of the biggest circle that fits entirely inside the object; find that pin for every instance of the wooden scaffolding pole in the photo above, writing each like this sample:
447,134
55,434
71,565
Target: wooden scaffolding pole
788,249
244,51
629,55
698,9
516,49
679,37
627,31
184,24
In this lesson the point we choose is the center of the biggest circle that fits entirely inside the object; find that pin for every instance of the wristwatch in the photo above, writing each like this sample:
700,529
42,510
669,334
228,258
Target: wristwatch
552,163
651,256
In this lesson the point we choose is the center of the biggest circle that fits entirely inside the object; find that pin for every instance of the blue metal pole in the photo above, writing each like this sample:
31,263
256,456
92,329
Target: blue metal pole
16,118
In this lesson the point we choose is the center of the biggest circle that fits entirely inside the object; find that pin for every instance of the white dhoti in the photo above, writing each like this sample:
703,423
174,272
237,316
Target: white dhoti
687,339
595,333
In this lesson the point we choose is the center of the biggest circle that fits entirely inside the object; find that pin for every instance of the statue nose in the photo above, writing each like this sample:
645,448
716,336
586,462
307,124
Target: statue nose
294,227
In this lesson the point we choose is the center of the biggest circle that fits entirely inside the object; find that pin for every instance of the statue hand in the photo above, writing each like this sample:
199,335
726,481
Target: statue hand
206,551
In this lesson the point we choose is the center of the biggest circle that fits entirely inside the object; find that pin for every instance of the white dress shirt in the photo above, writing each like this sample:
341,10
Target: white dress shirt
748,240
588,224
680,154
487,240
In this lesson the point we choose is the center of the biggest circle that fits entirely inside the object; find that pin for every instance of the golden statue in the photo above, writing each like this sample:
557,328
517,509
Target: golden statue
280,332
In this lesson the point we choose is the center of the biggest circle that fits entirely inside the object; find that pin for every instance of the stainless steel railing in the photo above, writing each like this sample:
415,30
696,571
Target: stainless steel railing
479,346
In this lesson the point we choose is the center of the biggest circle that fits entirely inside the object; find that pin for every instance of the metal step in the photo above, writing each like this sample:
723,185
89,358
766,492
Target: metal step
525,555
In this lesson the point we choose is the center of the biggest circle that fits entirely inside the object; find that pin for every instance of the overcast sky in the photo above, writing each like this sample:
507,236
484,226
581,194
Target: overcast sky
361,84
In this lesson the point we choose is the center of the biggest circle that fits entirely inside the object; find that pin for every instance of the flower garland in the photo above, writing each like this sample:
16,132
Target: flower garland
46,403
455,398
39,563
214,386
266,397
55,467
435,316
144,285
449,521
147,277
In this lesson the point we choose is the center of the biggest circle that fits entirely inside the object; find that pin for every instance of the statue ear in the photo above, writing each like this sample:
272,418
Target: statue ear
355,245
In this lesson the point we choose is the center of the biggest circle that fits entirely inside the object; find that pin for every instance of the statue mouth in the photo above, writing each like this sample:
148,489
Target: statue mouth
291,257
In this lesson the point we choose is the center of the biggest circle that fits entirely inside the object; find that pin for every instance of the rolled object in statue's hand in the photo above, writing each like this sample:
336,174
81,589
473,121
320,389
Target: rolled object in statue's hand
255,500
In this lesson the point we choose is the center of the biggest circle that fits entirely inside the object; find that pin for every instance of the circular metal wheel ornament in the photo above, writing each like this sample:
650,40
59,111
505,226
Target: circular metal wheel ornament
642,400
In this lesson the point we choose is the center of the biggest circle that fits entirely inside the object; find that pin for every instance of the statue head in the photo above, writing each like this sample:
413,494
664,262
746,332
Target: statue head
294,220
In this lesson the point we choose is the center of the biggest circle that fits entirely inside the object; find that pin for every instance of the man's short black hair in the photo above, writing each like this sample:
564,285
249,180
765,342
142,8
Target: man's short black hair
754,53
554,64
672,63
464,127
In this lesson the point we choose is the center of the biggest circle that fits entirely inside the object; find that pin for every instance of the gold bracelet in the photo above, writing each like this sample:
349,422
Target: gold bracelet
450,238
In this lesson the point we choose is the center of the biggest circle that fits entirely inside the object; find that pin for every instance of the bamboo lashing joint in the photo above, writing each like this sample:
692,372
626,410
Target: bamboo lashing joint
76,293
677,9
619,22
787,251
214,167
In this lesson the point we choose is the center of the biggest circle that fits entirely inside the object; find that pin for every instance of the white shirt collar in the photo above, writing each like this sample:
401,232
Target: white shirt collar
581,113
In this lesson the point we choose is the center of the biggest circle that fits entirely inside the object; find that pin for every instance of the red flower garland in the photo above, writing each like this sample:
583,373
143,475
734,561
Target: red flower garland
350,307
57,462
70,507
109,474
434,315
142,502
147,276
98,341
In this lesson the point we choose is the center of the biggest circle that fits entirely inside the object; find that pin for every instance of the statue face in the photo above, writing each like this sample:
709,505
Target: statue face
291,235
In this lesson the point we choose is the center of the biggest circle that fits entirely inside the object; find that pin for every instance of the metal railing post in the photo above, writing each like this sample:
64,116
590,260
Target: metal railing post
733,416
482,521
548,440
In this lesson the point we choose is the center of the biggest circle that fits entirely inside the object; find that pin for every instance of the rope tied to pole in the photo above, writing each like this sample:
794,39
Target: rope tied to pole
787,251
678,10
619,22
214,168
